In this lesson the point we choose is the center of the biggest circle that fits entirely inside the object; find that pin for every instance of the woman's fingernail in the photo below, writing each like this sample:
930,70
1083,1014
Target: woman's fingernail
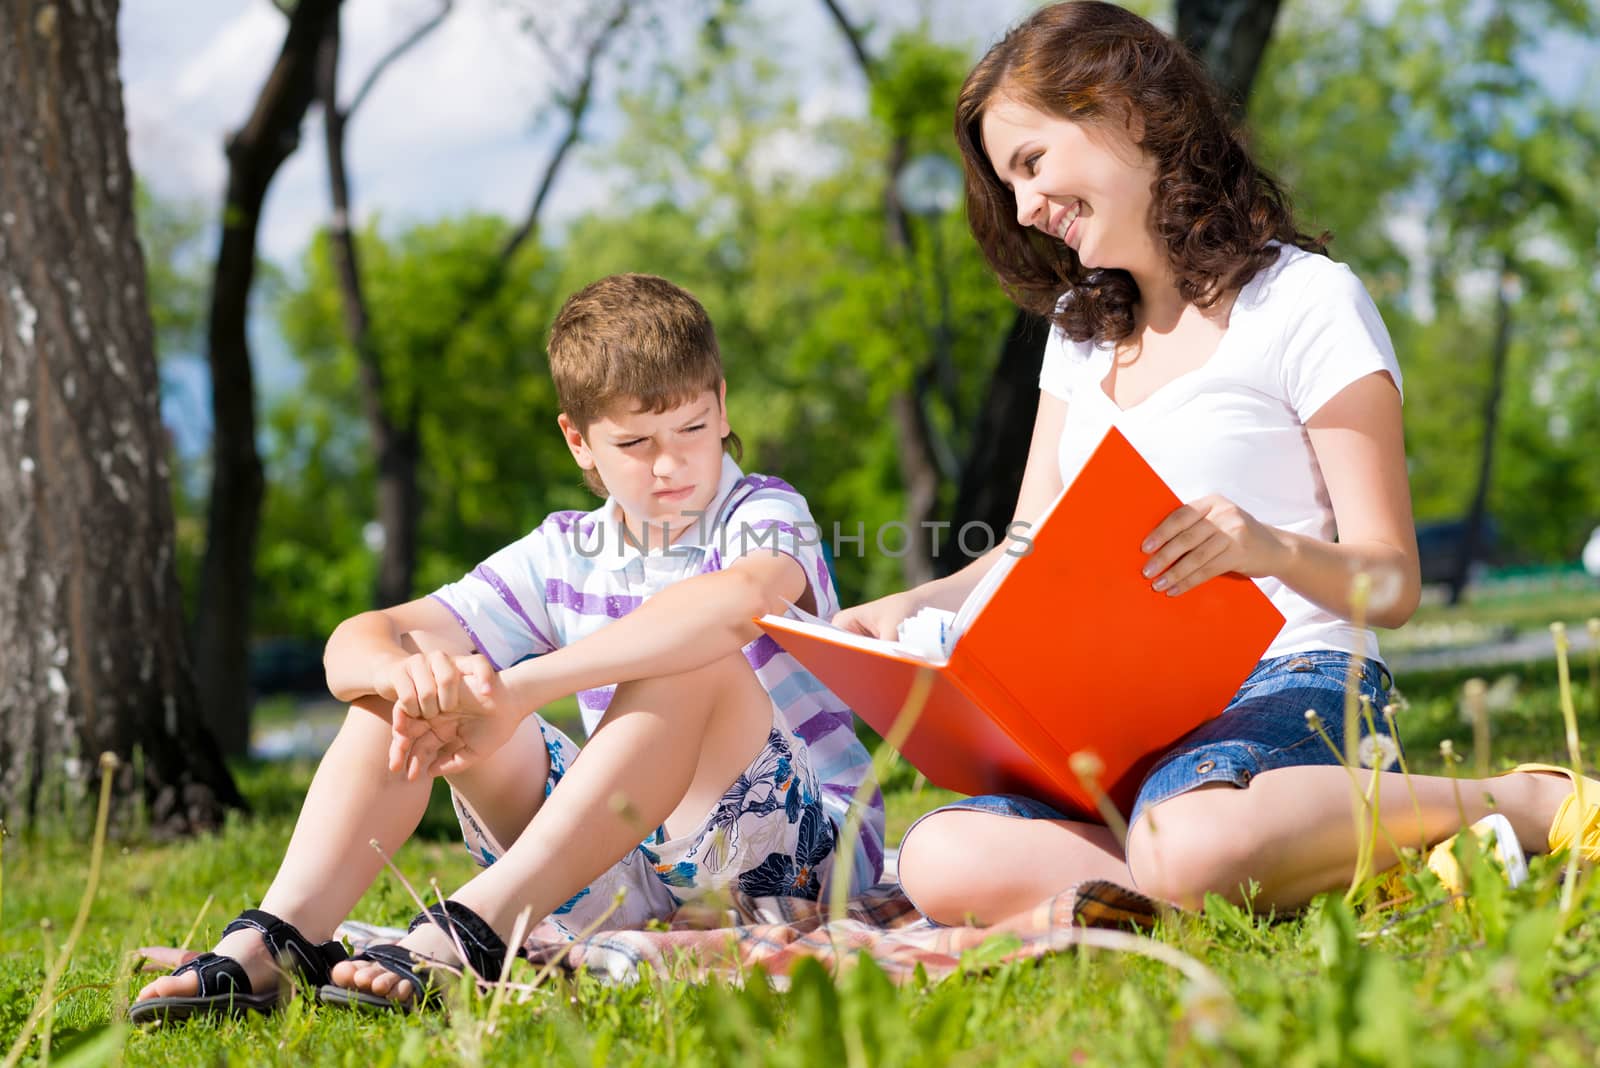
1161,584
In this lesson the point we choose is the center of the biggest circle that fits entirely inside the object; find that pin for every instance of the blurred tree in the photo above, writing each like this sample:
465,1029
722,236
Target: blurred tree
92,650
1513,169
912,88
491,462
393,419
227,572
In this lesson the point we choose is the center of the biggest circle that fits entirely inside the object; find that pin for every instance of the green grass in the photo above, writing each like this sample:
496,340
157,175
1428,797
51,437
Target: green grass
1502,980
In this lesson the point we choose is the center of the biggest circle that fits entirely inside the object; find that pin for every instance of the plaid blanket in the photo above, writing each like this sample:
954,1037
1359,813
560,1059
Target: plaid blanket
722,942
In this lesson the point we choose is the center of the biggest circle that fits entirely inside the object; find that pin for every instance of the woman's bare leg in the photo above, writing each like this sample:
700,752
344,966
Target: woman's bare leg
1293,831
981,867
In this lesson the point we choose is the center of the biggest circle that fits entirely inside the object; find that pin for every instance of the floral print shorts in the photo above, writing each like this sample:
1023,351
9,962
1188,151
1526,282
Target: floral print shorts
767,837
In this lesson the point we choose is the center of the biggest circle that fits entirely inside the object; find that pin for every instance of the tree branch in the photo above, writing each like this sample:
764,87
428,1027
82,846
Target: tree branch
854,35
576,105
415,38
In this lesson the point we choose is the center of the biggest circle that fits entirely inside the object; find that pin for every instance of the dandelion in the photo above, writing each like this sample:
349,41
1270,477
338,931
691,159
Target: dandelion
1475,710
1378,751
1088,767
47,995
1569,716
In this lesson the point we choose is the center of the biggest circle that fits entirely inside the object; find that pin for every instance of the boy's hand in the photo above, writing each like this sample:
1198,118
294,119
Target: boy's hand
478,722
423,684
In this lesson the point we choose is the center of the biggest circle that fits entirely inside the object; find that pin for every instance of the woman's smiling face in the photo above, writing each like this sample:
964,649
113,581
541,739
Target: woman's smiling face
1089,186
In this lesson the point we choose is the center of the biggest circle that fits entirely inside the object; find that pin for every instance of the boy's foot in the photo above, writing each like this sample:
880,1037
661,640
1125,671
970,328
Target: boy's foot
244,973
372,977
398,975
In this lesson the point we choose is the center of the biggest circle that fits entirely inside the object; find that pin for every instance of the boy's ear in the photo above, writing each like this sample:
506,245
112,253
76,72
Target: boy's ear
722,409
575,443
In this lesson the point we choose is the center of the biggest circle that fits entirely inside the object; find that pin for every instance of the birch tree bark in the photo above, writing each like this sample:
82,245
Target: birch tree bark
93,656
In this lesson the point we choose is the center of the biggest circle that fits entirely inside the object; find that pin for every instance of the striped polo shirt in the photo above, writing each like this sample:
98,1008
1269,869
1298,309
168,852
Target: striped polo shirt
578,571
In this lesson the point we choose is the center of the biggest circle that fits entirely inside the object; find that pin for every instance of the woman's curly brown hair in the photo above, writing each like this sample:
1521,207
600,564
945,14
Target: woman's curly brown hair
1215,210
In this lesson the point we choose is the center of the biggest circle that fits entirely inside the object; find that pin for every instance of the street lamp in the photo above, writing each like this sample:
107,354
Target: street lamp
929,187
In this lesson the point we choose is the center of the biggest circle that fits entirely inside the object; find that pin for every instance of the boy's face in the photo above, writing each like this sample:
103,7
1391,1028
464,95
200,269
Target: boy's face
658,465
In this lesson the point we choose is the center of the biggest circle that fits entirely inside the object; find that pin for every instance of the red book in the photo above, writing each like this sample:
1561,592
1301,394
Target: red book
1061,650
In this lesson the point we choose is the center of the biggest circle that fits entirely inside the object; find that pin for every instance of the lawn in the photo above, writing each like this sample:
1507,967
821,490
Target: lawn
1505,978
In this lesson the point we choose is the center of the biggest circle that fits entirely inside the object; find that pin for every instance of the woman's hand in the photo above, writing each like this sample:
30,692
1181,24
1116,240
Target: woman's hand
881,618
1209,537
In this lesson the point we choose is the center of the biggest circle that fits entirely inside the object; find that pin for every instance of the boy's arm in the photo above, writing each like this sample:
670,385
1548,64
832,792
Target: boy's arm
685,626
401,654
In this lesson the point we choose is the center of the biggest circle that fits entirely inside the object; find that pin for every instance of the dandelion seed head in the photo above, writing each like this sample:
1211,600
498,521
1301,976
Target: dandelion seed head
1086,764
1378,751
1384,586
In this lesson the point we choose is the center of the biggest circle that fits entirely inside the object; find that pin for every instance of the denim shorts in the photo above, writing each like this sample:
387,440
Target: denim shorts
1263,728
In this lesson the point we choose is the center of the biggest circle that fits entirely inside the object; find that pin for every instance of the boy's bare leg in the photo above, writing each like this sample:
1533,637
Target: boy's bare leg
666,751
353,799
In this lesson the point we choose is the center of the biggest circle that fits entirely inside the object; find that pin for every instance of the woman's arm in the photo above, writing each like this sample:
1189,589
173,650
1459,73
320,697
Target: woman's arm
1359,445
1357,440
1041,483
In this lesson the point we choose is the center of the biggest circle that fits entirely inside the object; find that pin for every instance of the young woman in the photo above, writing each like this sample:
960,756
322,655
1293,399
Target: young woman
1111,194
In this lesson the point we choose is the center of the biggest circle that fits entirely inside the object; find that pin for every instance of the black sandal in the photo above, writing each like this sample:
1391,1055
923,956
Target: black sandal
486,953
225,988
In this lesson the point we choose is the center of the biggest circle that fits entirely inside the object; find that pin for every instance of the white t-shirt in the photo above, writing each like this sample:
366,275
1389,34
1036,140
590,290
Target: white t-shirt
1300,331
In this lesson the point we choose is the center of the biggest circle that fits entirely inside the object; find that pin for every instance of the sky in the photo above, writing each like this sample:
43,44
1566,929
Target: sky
452,127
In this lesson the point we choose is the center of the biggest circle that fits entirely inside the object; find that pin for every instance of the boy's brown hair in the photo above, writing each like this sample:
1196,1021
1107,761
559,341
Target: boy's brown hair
635,338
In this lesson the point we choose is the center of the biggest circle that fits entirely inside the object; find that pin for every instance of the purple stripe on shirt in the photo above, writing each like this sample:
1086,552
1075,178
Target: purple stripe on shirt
565,521
766,524
713,563
851,793
484,572
476,641
597,700
821,724
763,482
762,650
589,604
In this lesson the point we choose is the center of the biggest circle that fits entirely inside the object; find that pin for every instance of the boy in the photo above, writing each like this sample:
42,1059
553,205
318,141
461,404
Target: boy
713,760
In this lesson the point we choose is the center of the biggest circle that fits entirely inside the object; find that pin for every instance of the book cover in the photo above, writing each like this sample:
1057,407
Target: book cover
1062,650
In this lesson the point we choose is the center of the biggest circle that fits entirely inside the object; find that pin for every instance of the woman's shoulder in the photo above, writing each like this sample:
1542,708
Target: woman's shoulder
1298,275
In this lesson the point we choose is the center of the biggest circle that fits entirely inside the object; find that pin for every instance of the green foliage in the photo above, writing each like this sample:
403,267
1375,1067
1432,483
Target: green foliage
1426,137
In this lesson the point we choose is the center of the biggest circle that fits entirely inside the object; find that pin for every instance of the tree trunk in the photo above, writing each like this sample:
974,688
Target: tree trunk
991,477
1472,537
1230,37
227,573
914,432
396,449
92,646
